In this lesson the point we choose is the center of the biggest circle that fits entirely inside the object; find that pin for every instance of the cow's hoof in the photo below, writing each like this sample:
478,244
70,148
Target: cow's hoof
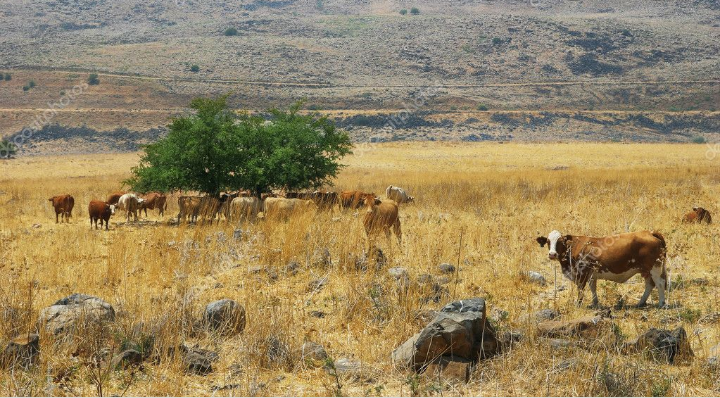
663,306
641,305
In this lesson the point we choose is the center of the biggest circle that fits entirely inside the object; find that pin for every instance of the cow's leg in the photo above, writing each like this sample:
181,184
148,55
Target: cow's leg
649,285
659,277
398,231
593,290
56,217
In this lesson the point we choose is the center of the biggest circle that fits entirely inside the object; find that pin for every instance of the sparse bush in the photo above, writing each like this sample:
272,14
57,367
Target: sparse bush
195,69
32,84
403,12
26,88
8,77
482,107
496,41
93,79
699,140
7,149
415,11
231,32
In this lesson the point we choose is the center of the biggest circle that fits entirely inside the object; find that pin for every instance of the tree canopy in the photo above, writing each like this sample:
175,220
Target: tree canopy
216,150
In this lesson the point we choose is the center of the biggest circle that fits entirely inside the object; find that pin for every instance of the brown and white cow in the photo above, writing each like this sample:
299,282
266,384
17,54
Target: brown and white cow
354,199
380,216
63,205
99,210
398,195
131,204
698,215
114,197
152,201
614,258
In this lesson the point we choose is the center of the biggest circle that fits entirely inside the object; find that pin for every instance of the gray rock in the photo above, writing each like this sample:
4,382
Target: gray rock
292,268
317,284
65,314
398,272
460,329
198,360
662,345
537,277
446,268
126,358
225,316
22,351
237,234
255,269
313,354
546,314
317,314
347,365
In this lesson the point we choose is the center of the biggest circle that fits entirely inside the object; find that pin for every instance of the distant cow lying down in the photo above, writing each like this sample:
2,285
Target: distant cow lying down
698,215
614,258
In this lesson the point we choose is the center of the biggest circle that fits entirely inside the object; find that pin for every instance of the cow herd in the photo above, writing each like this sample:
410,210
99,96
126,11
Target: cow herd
381,215
584,260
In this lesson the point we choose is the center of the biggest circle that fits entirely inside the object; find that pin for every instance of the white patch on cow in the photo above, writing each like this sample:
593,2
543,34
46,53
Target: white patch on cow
553,238
619,278
656,275
112,209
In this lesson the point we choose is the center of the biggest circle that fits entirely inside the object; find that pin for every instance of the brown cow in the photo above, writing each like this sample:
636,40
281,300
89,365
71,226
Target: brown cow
381,215
189,206
325,200
154,200
353,199
99,210
614,258
63,205
698,215
115,197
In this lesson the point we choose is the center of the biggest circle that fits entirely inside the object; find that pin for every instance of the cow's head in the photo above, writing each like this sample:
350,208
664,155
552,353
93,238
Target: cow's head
112,209
556,242
370,200
411,199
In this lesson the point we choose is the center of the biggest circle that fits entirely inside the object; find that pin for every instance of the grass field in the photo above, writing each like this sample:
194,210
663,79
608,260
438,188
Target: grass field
477,205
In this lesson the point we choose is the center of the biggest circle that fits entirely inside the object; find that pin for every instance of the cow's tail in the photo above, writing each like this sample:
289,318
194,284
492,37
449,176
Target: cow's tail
661,238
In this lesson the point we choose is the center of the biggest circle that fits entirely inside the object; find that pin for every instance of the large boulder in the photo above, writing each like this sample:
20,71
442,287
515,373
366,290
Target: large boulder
68,313
460,329
662,345
225,316
22,351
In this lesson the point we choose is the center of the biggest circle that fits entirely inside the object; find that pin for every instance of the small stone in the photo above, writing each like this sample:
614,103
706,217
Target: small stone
198,360
347,365
37,225
22,351
398,272
317,284
292,268
317,314
537,277
237,234
225,316
446,268
126,358
313,354
546,314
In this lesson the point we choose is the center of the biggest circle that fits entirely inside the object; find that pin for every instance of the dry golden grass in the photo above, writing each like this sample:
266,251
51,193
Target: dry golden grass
497,197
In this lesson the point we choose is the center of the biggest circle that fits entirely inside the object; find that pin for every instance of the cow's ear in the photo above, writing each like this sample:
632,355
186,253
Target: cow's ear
568,237
541,240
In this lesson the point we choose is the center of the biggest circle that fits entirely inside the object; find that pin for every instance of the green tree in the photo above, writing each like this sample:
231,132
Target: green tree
93,79
7,149
215,150
195,68
403,11
414,11
231,32
32,84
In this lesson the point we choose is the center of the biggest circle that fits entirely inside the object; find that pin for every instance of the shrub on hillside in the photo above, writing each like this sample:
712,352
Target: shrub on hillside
231,32
93,79
414,11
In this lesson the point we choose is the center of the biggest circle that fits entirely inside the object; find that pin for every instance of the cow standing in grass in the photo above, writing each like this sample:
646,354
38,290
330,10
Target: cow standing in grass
63,205
614,258
131,204
99,210
380,216
698,215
